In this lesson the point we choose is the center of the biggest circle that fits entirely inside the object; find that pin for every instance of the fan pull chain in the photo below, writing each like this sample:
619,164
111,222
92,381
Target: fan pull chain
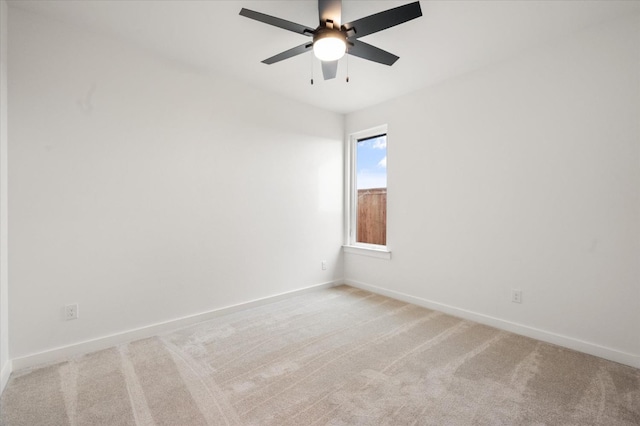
347,67
311,69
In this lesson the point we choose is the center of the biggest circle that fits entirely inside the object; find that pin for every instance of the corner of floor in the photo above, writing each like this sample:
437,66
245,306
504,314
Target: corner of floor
5,373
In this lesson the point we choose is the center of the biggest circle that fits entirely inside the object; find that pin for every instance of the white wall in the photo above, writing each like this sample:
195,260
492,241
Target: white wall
522,175
145,192
5,364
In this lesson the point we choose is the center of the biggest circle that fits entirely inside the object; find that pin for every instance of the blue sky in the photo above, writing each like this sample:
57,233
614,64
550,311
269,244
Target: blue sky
371,167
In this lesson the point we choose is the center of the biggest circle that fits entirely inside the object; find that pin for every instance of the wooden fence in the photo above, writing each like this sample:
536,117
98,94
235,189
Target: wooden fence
372,216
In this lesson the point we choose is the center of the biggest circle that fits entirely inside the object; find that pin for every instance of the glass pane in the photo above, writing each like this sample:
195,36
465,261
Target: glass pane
371,184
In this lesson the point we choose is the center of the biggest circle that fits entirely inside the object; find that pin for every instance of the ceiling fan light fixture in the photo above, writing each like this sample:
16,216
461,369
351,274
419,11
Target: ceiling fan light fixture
329,45
332,40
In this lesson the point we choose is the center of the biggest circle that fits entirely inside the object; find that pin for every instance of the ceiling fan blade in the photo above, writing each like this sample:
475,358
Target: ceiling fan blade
383,20
329,69
288,53
372,53
277,22
330,9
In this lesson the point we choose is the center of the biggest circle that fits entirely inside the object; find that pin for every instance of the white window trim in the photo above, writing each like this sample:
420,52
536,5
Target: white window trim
351,245
380,253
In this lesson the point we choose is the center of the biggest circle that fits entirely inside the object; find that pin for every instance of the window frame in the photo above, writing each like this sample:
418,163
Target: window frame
351,192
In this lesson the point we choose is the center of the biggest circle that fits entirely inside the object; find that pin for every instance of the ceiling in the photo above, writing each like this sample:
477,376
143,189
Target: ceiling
451,38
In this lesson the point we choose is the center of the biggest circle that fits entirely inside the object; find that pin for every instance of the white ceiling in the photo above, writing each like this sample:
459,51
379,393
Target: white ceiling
452,37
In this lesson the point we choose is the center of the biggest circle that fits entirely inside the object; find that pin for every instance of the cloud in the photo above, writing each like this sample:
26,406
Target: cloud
368,180
380,143
383,163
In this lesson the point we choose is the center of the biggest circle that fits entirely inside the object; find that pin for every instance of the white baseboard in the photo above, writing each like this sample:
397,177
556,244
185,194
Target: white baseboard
5,372
65,352
521,329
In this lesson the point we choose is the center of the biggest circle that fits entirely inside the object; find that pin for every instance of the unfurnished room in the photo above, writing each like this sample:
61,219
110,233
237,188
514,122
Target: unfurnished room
319,212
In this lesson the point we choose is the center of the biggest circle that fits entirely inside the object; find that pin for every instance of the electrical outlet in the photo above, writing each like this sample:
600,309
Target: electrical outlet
516,296
324,265
71,312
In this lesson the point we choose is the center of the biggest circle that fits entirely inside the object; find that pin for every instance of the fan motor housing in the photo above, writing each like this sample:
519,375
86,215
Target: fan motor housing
325,32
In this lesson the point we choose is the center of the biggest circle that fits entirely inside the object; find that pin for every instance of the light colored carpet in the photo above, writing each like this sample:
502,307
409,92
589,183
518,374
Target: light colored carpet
341,357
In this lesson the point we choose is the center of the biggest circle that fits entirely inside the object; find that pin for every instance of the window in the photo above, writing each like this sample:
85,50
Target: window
368,189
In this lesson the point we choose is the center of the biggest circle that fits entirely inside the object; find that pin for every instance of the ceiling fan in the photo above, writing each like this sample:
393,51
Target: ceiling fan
331,39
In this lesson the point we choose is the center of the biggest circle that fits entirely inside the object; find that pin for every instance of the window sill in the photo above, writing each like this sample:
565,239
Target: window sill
380,253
